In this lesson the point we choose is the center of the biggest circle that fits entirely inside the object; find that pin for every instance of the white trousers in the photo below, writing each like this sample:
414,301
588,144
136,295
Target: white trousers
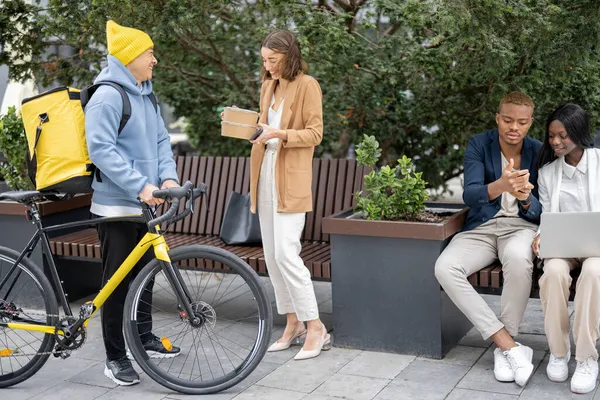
281,233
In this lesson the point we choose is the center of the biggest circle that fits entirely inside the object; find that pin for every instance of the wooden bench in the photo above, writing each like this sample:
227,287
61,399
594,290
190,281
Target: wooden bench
334,183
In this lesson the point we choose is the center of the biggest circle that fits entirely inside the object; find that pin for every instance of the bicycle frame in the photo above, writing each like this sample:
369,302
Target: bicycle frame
153,238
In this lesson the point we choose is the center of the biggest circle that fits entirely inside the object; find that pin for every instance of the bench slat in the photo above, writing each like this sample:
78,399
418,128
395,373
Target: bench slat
484,276
497,276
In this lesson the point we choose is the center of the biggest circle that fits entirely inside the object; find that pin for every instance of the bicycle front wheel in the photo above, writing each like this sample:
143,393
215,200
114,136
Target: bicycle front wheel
231,301
26,297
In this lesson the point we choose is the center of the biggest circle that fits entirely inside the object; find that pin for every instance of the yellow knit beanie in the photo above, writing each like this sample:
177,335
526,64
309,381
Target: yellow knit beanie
126,44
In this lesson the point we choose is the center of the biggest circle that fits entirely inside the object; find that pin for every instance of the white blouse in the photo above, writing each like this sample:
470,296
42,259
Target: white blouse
274,121
574,190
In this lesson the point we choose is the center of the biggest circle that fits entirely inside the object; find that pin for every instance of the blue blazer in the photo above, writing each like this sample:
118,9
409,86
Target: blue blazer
483,165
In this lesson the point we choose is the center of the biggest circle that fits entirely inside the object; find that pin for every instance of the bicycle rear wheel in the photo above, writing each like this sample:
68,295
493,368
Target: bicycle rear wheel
227,294
25,297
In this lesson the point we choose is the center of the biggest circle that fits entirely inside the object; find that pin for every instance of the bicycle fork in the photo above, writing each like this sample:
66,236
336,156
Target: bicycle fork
176,281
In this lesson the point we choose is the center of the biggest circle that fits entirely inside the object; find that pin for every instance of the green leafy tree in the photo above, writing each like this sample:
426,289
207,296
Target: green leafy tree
421,76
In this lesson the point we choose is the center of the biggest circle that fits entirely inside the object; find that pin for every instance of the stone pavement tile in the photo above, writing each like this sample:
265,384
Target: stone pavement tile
460,394
377,365
265,393
147,389
424,380
540,387
322,291
533,318
461,355
94,376
407,390
326,306
281,357
69,390
493,301
473,338
319,397
92,349
306,375
53,373
352,387
536,342
481,375
263,369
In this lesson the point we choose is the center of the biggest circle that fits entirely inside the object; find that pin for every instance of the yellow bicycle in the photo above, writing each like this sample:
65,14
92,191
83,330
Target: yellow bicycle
222,325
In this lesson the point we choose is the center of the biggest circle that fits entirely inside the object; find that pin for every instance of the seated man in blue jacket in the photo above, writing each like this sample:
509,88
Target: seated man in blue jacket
500,176
132,164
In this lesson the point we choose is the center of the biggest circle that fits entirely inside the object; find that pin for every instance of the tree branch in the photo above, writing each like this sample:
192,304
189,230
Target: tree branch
392,29
345,6
522,65
375,45
208,82
358,67
222,64
325,5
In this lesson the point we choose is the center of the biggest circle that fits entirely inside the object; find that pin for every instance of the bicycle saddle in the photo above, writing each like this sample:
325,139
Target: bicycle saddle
20,196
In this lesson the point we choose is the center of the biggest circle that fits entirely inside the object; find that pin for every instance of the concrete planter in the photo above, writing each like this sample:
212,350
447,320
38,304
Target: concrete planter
385,295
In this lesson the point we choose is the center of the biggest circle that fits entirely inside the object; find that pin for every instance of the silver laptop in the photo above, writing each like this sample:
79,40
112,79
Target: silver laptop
570,235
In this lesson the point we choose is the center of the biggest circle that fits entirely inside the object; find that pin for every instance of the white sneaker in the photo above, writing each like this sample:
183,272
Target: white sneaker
584,378
520,358
558,368
502,370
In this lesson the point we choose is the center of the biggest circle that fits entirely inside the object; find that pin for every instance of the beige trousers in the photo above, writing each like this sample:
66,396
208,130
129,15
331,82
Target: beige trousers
506,239
554,293
281,233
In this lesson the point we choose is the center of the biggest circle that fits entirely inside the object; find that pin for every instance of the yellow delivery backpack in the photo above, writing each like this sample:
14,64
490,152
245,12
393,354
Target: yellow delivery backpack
57,155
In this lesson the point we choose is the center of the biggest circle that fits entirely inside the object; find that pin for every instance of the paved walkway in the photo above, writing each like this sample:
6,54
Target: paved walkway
465,373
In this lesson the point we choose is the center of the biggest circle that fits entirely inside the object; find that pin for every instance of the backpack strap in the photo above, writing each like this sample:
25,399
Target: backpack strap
87,93
153,101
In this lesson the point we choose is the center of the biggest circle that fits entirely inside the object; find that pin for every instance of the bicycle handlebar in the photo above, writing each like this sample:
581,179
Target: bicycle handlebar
186,191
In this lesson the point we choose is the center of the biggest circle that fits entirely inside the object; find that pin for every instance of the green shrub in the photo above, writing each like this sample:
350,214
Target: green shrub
13,144
390,193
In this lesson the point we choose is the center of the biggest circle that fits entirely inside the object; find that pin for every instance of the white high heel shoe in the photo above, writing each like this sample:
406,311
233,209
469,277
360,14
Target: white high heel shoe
324,345
278,346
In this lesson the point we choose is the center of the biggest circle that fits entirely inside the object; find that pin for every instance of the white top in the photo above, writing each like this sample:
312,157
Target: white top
274,121
113,211
574,190
551,179
509,206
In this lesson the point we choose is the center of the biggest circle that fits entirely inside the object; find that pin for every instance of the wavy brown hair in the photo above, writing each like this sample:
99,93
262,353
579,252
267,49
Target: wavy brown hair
284,42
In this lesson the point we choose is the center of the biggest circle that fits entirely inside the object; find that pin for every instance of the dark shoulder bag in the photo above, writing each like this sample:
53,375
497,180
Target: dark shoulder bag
240,226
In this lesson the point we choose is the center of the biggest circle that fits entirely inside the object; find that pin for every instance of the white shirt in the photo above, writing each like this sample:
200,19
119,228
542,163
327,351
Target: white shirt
274,121
574,190
509,206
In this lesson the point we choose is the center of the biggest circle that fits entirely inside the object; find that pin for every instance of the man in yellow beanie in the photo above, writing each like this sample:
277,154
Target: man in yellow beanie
132,162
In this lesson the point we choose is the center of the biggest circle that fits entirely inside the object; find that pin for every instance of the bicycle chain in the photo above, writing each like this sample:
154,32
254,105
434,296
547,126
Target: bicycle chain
42,353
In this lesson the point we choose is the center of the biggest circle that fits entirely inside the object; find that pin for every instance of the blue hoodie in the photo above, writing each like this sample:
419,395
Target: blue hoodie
141,154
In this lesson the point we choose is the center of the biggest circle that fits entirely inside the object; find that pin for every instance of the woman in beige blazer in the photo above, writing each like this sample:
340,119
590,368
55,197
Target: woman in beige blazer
281,185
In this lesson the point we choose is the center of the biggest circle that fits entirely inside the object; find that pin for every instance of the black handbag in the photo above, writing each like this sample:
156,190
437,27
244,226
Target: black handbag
240,226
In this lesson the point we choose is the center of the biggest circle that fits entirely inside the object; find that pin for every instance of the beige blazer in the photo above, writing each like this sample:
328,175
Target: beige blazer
302,119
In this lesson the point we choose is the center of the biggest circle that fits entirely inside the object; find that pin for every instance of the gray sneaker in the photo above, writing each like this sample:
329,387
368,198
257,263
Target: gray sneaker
121,372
